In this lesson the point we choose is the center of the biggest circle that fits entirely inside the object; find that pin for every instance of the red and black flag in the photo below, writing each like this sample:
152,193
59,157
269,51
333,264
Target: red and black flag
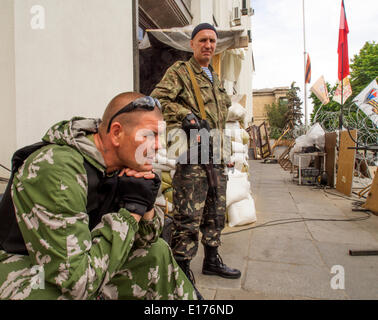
308,70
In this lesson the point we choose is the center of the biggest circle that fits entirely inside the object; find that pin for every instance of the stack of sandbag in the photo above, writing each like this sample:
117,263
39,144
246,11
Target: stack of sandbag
239,201
165,168
239,137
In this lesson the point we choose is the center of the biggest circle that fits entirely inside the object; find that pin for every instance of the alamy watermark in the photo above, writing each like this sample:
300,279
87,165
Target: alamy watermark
38,279
338,280
38,17
201,147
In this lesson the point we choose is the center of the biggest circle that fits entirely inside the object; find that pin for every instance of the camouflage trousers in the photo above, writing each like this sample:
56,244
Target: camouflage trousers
149,273
196,210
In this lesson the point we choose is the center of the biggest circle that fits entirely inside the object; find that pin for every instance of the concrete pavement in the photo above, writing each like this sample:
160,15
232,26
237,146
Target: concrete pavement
301,260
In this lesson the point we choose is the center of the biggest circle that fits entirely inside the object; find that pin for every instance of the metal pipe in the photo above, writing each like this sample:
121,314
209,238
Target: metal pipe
363,252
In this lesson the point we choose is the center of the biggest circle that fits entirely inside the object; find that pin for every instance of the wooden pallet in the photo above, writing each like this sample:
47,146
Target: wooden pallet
284,159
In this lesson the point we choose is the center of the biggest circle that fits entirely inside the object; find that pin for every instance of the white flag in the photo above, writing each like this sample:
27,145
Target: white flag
347,91
319,88
367,101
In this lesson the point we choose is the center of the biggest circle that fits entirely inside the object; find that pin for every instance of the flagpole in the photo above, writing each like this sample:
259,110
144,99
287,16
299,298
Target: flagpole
305,84
344,32
342,89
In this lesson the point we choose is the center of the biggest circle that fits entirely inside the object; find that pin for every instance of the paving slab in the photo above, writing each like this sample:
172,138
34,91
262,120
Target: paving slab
277,224
207,294
281,248
339,232
320,209
241,294
293,257
360,272
275,203
291,280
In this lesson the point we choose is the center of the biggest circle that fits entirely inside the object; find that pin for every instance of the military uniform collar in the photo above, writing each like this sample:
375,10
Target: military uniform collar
196,66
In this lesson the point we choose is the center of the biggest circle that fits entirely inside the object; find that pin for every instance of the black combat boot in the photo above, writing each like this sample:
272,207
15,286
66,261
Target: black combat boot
185,266
213,265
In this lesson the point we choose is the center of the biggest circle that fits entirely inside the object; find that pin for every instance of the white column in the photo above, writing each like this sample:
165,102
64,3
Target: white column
72,57
202,11
7,87
244,84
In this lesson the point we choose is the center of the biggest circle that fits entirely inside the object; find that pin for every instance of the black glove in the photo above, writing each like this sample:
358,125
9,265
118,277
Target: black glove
190,122
138,195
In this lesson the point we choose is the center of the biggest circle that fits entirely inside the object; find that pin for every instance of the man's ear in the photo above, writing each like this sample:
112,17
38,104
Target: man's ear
116,132
191,44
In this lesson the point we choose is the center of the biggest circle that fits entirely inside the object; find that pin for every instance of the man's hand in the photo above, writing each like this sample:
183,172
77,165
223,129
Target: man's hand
140,174
138,194
137,174
190,122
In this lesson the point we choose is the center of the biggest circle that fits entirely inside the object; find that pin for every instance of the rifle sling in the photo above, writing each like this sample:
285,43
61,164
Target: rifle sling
197,91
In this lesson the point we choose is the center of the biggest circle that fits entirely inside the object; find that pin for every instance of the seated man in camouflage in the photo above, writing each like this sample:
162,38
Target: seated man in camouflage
68,253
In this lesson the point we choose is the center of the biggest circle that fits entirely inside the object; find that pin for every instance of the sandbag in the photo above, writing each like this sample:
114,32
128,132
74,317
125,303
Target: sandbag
166,185
232,125
166,178
239,159
239,147
237,133
238,187
242,212
161,202
245,136
236,112
162,167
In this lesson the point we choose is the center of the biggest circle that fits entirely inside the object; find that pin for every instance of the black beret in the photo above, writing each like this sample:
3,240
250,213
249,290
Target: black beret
203,26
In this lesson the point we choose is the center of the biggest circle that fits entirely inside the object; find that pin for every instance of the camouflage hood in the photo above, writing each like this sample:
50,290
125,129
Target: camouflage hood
74,133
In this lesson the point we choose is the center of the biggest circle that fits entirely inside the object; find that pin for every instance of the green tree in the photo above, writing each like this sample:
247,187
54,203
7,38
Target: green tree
277,117
364,67
287,112
294,106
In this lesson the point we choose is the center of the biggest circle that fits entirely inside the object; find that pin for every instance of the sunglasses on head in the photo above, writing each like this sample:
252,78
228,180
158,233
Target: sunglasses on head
146,103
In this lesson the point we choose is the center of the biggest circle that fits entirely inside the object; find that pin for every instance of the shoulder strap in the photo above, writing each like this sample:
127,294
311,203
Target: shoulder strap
197,91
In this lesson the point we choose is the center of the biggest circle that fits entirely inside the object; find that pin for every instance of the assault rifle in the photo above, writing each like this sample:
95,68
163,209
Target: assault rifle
201,147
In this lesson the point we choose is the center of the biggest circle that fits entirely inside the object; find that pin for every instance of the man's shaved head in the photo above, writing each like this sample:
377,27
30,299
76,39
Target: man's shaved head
116,104
133,137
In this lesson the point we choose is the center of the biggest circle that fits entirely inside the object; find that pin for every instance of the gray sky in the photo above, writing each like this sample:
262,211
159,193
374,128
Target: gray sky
277,38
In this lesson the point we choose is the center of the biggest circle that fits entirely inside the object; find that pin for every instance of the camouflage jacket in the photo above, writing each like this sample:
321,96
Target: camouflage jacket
176,95
49,193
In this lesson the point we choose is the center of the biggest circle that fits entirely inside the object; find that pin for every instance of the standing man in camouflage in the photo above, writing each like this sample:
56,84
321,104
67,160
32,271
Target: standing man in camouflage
69,257
195,208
